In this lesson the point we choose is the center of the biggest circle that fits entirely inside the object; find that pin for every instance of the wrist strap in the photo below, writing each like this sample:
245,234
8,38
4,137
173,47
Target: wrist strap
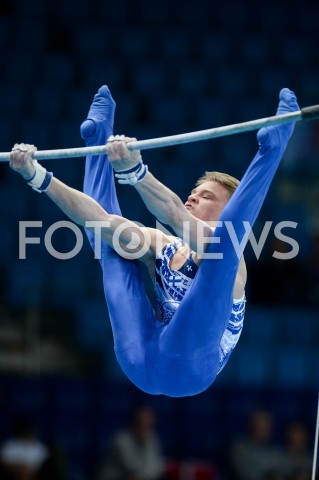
31,178
41,179
133,175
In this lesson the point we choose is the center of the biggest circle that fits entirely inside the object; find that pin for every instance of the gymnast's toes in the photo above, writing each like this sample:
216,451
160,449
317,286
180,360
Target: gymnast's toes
101,115
288,101
103,106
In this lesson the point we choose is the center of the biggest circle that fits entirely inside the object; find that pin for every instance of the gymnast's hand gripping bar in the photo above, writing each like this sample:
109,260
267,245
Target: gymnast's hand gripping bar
307,113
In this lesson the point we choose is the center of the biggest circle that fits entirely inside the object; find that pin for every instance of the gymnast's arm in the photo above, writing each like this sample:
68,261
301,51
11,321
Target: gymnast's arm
162,202
81,209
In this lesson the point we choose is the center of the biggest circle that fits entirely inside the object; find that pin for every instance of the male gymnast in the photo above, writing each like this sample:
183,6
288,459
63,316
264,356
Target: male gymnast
179,348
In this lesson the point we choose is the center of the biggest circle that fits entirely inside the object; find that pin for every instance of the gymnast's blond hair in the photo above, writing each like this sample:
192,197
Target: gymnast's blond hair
227,181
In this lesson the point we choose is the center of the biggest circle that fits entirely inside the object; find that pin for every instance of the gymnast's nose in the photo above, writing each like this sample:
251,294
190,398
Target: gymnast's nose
192,198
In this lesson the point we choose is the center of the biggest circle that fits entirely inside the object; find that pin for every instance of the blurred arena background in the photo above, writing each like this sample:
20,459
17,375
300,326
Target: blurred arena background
172,67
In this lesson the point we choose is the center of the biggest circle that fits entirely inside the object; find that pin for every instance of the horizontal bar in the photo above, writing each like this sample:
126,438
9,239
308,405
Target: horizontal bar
304,114
214,132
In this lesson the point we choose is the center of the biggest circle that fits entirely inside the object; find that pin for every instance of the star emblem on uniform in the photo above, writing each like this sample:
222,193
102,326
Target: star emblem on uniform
189,268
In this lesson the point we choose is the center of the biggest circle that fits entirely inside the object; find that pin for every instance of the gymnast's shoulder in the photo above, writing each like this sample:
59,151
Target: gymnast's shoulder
156,239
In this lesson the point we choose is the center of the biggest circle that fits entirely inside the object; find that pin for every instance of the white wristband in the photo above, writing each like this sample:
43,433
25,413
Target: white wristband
133,175
41,179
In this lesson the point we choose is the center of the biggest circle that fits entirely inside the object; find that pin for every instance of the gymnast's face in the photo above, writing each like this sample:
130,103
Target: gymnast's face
207,201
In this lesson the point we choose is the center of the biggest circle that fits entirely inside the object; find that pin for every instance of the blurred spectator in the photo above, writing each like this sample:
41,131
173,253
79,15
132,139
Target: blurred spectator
296,459
23,455
135,453
255,457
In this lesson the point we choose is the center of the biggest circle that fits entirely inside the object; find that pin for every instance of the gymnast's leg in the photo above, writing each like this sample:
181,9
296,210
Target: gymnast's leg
185,358
132,317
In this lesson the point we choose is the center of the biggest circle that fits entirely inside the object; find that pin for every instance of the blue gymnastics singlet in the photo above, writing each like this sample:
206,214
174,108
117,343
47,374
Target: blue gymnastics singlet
171,287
